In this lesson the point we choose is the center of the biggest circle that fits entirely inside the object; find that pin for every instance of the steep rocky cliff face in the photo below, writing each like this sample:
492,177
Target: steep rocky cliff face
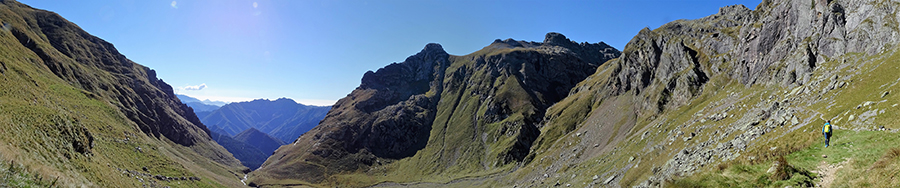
739,88
695,93
436,114
61,82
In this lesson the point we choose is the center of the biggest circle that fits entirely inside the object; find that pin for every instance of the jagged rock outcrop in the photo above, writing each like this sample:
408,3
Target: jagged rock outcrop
77,102
778,45
451,113
145,99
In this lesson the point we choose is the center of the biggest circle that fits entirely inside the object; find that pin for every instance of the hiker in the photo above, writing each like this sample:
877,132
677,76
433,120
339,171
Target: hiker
827,131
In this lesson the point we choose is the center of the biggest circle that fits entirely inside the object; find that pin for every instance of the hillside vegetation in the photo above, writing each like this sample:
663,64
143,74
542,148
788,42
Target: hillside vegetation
437,117
75,112
735,99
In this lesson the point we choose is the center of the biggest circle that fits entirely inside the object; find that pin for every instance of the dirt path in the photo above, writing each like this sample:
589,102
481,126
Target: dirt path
827,172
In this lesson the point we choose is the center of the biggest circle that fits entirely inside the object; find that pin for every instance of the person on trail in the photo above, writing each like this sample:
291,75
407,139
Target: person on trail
826,130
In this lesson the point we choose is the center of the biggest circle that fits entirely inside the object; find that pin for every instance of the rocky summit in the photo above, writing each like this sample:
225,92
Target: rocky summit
700,102
734,99
437,114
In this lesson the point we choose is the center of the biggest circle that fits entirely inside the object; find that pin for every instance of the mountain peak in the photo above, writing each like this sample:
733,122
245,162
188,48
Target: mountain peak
554,38
431,47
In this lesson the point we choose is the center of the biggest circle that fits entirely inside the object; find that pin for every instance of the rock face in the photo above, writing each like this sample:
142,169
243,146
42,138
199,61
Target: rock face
473,112
493,107
779,45
282,118
75,107
145,99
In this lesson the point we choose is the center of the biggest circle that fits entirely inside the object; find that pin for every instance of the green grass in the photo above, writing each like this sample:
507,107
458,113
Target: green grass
870,157
59,131
13,175
872,162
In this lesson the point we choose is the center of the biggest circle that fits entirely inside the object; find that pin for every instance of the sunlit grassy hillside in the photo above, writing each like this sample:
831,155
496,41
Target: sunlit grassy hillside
66,121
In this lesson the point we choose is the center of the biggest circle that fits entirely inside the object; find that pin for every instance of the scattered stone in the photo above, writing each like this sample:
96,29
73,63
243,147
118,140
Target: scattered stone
630,159
885,94
145,169
773,168
608,180
867,103
596,177
851,118
824,156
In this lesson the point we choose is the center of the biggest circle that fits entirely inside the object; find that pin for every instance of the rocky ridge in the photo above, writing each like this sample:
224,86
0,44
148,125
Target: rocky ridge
679,100
474,112
678,67
73,107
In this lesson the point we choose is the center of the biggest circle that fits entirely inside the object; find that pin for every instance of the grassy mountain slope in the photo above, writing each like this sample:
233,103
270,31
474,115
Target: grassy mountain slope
710,102
76,112
773,77
436,117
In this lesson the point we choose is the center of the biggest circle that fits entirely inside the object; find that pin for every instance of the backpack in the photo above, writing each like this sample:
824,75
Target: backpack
827,128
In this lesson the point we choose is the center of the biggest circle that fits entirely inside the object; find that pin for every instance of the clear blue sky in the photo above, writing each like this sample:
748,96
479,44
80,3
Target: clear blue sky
315,52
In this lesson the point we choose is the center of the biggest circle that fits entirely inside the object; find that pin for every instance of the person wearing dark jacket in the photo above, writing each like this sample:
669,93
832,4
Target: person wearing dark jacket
826,130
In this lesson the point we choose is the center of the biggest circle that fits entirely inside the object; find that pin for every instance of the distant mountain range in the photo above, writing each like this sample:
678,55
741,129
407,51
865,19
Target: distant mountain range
283,118
200,106
711,102
261,124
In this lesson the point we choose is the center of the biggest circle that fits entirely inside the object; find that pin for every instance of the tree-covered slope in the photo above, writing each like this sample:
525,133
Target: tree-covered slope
75,111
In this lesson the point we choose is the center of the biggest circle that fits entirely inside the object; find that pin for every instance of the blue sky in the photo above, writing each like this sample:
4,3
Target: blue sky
315,52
